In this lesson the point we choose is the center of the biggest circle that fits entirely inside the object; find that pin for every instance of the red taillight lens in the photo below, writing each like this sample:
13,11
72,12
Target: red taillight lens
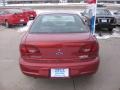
23,49
85,48
89,51
95,47
28,50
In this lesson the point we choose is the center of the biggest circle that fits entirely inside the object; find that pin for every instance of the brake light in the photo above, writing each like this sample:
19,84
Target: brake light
89,51
23,49
29,50
85,48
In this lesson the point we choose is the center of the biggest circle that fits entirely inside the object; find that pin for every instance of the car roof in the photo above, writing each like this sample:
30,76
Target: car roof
98,8
102,8
60,12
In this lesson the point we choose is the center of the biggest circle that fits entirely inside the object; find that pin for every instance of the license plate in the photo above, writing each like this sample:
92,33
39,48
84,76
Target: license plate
60,72
104,20
21,20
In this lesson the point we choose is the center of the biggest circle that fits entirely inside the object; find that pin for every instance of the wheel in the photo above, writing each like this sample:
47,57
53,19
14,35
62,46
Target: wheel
7,24
110,30
100,33
24,24
33,18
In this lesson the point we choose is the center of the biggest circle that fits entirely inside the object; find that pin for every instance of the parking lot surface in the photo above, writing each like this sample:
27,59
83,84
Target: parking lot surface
11,78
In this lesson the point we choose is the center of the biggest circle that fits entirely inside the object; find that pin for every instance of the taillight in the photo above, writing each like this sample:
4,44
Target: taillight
85,48
23,49
89,51
29,50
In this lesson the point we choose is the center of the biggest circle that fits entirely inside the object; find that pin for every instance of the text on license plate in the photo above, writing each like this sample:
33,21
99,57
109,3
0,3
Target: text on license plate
104,20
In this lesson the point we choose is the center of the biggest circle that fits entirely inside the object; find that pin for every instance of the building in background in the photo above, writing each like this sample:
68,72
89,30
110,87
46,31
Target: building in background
56,1
42,1
109,1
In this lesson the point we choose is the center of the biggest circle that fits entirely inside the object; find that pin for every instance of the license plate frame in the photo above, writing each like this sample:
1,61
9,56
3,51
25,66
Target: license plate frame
59,72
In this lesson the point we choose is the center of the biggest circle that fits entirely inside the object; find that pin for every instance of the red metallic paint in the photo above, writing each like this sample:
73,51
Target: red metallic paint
13,19
30,13
40,63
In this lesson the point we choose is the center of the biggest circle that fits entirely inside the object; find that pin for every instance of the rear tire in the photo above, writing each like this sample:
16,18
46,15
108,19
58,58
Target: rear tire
7,24
33,18
110,30
100,33
24,24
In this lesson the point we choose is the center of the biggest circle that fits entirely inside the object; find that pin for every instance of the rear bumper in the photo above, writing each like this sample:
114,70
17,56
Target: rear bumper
105,25
15,22
43,70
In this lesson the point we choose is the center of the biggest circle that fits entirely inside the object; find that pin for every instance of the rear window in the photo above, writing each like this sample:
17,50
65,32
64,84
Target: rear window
103,12
58,23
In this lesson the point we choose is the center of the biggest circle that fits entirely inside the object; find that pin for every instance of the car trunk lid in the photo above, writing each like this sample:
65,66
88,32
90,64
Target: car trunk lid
58,46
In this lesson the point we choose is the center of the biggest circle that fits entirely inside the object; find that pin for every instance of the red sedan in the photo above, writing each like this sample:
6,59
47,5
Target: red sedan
90,1
30,13
59,45
11,17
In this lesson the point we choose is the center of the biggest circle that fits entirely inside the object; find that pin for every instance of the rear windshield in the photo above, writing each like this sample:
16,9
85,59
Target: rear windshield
58,23
103,12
